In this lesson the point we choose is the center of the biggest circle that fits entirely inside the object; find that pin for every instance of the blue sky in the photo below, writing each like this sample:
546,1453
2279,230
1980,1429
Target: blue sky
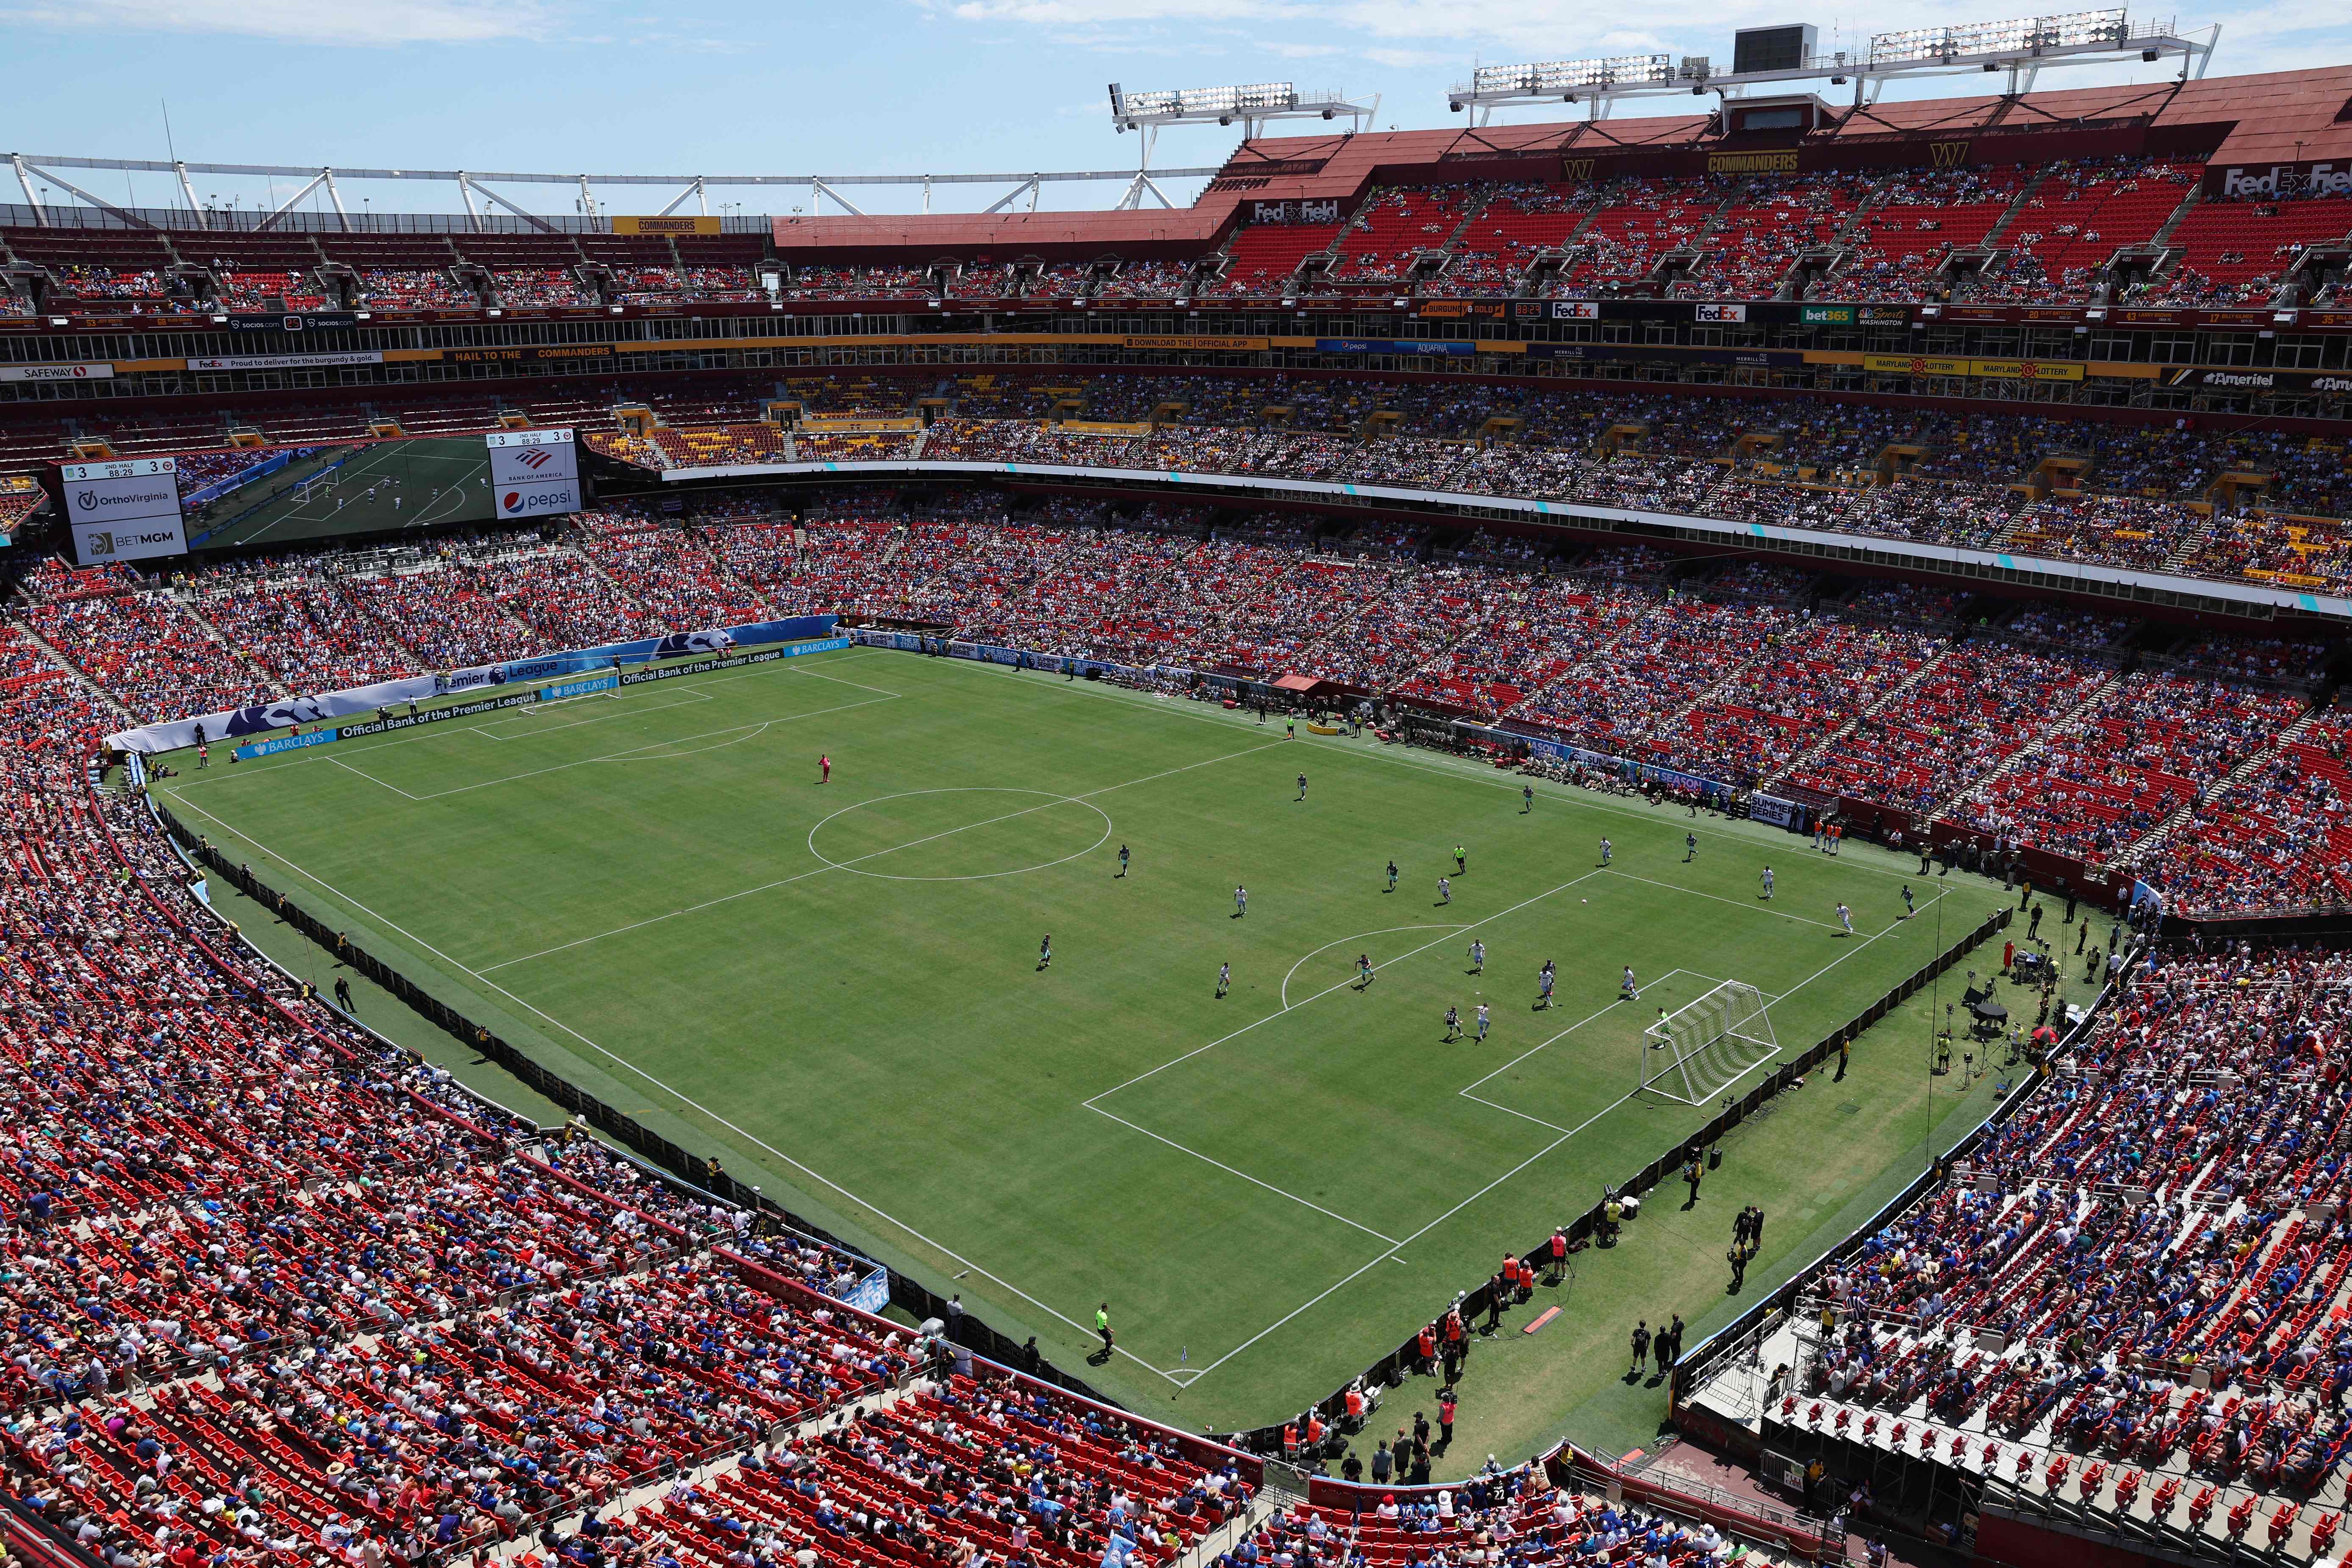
882,87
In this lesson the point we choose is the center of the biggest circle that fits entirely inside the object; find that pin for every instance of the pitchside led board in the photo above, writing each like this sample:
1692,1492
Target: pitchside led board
128,509
533,473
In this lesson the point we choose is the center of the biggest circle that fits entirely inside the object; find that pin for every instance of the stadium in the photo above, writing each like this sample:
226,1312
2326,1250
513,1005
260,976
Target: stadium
1137,885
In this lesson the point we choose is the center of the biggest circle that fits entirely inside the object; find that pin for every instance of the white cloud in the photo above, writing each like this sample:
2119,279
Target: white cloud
376,23
1406,59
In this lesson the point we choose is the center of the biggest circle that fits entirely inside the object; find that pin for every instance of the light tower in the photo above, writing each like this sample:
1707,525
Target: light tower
1254,106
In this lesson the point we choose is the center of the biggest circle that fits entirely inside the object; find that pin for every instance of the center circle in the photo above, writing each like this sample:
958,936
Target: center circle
960,840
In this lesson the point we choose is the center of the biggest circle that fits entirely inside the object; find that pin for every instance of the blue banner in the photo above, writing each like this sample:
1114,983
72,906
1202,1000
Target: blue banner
767,656
871,1294
286,743
387,721
579,688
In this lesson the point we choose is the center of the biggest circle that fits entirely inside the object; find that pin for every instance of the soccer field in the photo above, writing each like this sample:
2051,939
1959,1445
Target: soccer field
372,487
838,984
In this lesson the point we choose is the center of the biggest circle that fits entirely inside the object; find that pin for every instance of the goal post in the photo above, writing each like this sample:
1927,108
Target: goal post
1702,1047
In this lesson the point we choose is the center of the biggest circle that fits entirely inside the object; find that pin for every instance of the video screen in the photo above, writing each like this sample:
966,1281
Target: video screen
270,494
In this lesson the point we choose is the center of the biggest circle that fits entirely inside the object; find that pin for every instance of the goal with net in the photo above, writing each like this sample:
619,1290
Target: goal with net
1702,1049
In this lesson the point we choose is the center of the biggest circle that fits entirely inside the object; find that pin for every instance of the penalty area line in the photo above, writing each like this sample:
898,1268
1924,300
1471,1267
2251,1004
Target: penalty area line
1245,1177
1566,1134
1336,985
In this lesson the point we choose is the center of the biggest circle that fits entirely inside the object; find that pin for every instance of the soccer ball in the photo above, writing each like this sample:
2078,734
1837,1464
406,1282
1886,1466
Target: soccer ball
1584,900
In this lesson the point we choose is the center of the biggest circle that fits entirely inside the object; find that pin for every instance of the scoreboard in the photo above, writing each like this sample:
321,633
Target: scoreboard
533,473
125,510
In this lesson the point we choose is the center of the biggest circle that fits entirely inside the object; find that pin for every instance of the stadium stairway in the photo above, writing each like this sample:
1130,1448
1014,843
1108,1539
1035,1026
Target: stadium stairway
1894,695
1470,211
89,689
194,609
2192,542
2029,752
525,1548
1215,1543
589,564
1441,655
1340,633
1731,677
2156,837
720,572
1704,240
2017,204
2189,203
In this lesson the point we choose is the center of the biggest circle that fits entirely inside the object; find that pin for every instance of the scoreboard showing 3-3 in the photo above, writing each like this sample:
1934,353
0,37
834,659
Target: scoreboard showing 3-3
126,509
533,473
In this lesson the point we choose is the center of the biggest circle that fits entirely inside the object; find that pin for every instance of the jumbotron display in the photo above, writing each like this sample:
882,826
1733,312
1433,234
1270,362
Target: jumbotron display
269,495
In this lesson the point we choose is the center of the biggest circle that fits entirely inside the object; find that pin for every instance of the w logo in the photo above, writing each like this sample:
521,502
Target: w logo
533,457
1949,154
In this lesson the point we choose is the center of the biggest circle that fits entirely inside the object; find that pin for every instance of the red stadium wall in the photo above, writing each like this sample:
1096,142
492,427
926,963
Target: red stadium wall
2017,1544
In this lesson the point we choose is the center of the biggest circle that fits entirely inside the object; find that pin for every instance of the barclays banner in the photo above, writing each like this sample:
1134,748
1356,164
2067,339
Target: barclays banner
322,708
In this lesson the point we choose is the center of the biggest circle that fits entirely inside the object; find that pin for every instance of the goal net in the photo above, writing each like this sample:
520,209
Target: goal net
1702,1049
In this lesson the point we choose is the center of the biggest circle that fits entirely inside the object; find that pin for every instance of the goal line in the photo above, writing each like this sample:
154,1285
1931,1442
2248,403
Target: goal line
1705,1047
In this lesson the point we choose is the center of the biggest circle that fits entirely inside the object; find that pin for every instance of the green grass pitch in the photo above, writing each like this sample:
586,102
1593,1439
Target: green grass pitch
837,984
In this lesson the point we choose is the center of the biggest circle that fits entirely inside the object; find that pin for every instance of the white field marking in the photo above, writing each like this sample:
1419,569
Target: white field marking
1565,1135
821,870
1760,906
447,730
1588,1018
695,1105
1343,942
1891,927
1465,774
630,753
741,732
488,729
1508,1111
1340,985
1245,1177
370,777
1676,1099
1051,801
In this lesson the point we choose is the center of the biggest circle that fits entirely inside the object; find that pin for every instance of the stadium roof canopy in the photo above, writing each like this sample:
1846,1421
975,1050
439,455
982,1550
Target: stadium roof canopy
2284,118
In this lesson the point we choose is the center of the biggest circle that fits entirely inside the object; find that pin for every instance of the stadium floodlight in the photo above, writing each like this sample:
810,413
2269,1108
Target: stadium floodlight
2025,46
2022,46
1254,105
1594,82
2019,34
